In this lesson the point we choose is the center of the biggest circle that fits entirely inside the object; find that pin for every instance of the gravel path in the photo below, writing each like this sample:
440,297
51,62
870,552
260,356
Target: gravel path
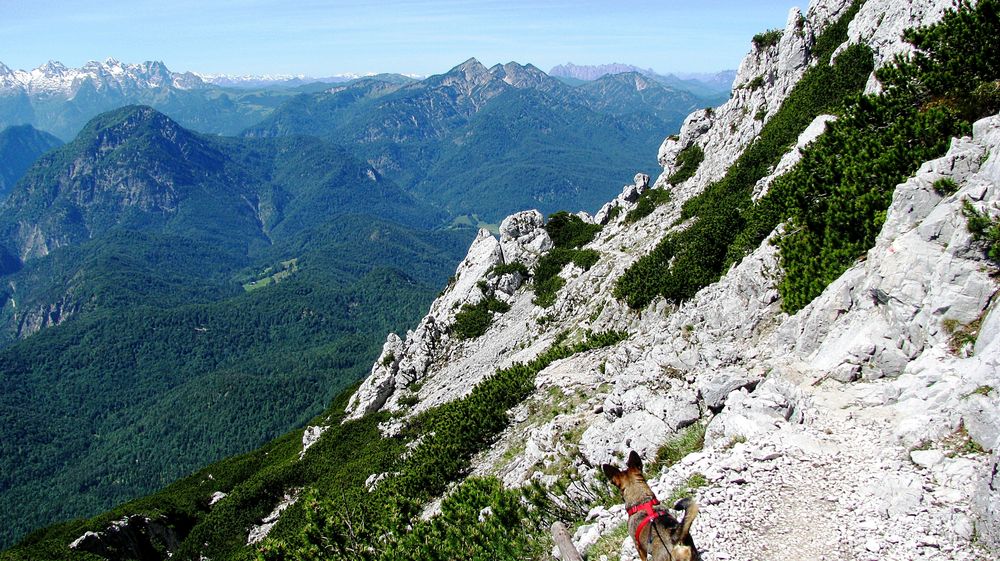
834,488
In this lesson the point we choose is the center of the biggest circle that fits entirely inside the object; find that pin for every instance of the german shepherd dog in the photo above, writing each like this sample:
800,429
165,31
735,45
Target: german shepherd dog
657,534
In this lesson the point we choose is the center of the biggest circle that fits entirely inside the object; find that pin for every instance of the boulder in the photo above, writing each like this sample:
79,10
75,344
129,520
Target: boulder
523,238
714,387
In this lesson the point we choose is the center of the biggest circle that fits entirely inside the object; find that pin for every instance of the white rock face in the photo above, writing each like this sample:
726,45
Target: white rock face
260,531
309,437
523,238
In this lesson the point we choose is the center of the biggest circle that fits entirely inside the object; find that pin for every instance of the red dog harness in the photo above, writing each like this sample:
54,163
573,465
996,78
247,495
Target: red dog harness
651,515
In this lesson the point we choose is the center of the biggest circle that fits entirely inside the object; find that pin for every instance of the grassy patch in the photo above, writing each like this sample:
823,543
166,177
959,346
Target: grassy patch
690,485
981,390
273,275
689,440
962,336
960,443
609,544
738,439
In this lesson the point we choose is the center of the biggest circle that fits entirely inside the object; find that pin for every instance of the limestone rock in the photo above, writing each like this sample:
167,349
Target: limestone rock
260,531
987,505
523,238
714,387
309,437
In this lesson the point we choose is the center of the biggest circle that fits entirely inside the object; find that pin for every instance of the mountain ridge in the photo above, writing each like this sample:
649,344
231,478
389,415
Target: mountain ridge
20,146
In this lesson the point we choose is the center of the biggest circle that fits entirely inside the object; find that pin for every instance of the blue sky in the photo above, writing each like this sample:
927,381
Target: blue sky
321,38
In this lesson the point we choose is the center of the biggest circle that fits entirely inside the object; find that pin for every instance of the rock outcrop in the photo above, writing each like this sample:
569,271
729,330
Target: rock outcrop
133,537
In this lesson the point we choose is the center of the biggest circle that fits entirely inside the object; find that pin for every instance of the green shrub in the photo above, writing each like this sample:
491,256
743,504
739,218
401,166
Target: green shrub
569,231
691,484
945,186
837,196
338,522
547,281
474,319
691,439
835,199
984,230
647,203
767,38
507,268
756,83
687,163
727,223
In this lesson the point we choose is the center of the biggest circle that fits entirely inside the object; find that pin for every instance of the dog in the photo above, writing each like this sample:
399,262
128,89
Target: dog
657,534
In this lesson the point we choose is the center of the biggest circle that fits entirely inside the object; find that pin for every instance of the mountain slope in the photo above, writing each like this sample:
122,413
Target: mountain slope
19,148
227,202
177,298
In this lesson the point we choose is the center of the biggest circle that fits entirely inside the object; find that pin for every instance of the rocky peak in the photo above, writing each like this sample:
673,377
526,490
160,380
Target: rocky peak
111,130
526,76
471,72
592,72
53,67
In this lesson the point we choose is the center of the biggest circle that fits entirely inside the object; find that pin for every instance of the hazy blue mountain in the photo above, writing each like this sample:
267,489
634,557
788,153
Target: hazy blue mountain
588,72
20,146
713,87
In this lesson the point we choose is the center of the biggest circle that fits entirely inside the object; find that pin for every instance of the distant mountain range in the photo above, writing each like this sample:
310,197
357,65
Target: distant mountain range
712,85
491,141
282,80
60,100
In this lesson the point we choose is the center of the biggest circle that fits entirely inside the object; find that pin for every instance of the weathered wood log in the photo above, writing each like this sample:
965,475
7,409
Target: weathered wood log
565,544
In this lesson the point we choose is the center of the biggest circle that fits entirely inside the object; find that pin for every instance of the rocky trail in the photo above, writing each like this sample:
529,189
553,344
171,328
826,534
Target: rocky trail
837,486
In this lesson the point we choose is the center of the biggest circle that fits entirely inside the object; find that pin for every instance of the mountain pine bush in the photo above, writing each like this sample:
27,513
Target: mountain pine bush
688,260
834,200
568,232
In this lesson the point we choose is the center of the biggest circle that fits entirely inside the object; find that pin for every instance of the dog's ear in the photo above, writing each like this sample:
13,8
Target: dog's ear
611,472
634,461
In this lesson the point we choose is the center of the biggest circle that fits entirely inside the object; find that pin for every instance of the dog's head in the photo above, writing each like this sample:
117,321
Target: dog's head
631,475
